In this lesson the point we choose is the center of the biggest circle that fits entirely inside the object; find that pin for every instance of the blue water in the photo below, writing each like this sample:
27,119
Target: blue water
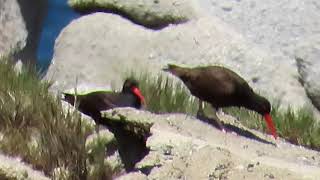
59,15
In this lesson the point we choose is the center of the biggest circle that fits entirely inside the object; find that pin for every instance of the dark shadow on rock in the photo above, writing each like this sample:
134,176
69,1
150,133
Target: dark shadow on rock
146,170
132,147
153,24
232,128
302,70
33,12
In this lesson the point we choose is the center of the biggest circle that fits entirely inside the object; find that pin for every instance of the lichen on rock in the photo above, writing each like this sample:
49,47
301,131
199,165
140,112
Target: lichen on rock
152,14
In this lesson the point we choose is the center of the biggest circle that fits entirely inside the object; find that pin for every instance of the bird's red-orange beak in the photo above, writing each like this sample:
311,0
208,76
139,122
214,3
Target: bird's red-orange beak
270,125
138,93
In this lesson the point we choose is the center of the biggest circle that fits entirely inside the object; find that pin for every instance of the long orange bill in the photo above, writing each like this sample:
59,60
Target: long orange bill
138,93
270,125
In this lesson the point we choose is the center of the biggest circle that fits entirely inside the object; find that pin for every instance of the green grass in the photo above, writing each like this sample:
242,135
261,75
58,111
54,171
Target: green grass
163,95
34,127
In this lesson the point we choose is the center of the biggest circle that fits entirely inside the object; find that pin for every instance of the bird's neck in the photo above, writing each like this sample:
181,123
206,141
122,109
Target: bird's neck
254,102
179,71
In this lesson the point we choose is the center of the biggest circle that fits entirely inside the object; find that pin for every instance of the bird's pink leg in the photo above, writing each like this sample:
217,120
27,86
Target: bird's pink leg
200,112
216,118
201,115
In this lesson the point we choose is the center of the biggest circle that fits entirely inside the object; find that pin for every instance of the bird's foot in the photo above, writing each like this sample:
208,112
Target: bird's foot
200,114
226,130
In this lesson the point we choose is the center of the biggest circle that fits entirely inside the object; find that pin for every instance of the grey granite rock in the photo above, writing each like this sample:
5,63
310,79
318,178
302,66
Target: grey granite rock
149,13
102,48
13,32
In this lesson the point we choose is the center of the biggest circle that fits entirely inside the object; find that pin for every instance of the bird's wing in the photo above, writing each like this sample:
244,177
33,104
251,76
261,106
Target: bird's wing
108,100
214,82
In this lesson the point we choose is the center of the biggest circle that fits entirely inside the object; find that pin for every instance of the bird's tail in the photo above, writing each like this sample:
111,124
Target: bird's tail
170,67
70,98
174,69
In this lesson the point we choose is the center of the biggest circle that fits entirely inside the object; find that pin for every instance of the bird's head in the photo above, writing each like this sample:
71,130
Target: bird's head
175,70
132,86
263,107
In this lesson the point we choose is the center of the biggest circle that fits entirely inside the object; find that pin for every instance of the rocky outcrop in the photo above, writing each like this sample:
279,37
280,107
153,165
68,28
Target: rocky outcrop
152,14
184,147
104,53
13,168
308,61
275,25
21,24
13,32
283,28
33,13
130,134
133,176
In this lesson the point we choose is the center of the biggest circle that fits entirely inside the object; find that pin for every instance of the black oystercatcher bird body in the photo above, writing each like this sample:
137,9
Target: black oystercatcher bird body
222,87
132,147
92,103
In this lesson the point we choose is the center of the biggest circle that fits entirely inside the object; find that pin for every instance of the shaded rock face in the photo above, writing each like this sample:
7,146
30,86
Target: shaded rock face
13,32
308,61
112,46
33,12
152,14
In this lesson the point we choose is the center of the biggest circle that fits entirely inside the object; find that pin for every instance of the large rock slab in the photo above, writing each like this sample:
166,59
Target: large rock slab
153,14
183,147
34,12
101,48
281,26
13,32
276,25
308,60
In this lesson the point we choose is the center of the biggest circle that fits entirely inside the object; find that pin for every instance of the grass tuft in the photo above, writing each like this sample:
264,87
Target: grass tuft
165,95
34,126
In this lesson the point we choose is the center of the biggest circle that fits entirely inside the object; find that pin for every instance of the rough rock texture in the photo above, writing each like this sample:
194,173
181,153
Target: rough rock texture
285,27
13,33
183,147
308,61
153,14
101,145
13,168
131,134
276,25
104,52
133,176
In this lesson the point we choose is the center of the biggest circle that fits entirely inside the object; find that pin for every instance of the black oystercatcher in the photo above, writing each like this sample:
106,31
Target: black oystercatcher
92,103
222,87
132,147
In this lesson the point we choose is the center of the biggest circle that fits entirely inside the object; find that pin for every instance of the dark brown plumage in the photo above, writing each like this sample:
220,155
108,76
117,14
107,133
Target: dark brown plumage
222,87
92,103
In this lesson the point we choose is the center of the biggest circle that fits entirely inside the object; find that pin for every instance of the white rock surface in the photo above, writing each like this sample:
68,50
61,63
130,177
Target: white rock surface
133,176
100,48
183,147
13,32
275,24
15,169
308,61
284,27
